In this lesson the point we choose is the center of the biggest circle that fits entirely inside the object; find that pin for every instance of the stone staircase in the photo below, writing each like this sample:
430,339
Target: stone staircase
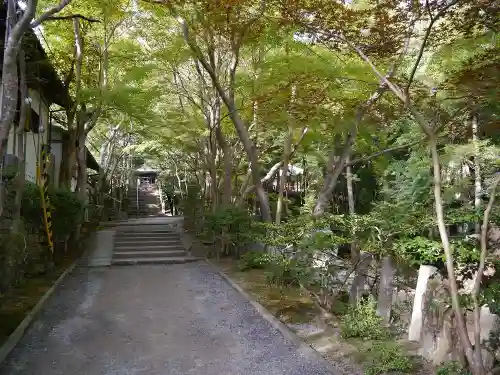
145,244
144,201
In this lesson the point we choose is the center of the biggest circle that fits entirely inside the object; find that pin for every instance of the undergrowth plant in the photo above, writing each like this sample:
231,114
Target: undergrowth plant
230,228
254,260
363,322
382,357
452,368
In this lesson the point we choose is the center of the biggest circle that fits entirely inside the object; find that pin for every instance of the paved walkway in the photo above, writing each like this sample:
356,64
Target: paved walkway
154,320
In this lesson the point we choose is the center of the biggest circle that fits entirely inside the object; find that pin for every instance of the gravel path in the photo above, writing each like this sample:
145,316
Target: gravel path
154,320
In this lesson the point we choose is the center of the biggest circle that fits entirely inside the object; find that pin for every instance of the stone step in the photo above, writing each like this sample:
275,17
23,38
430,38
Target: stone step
148,254
160,260
146,243
142,209
146,235
138,247
139,236
144,214
145,228
322,344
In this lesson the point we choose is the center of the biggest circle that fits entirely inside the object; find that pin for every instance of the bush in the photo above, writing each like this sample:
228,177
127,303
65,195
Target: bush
66,208
25,253
284,271
20,253
231,228
192,208
382,357
362,321
12,259
452,368
254,260
67,212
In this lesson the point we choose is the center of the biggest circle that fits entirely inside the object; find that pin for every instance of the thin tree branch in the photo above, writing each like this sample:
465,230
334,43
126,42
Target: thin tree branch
480,271
384,78
274,169
433,20
71,16
386,151
49,13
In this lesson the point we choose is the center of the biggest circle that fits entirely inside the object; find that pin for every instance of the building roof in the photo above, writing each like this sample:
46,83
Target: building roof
293,170
91,162
41,75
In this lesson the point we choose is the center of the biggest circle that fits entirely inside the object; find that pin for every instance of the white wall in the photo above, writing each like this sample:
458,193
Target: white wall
33,140
56,150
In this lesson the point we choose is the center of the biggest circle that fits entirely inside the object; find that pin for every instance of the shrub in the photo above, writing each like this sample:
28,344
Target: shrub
24,253
192,208
254,260
67,213
284,271
382,357
12,259
66,208
19,254
362,321
452,368
230,228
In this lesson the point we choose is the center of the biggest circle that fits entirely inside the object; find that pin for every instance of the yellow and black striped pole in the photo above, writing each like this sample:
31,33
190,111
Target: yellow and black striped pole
43,183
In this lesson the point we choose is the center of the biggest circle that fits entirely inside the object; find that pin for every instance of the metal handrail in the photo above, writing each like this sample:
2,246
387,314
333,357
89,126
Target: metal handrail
162,202
137,195
109,196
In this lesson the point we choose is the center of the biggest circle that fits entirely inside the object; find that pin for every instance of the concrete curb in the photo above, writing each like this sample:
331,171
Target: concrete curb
18,333
275,322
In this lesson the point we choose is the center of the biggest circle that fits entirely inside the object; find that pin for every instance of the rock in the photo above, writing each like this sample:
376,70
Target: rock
488,360
360,279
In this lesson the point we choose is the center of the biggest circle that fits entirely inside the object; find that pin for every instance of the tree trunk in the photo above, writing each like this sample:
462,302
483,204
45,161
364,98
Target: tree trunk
68,167
227,190
8,89
358,284
239,124
335,170
255,168
477,170
287,150
69,164
477,282
179,182
81,181
352,213
245,189
455,299
21,145
14,32
282,180
102,174
212,150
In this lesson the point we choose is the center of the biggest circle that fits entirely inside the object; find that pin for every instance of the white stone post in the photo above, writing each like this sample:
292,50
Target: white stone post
417,316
